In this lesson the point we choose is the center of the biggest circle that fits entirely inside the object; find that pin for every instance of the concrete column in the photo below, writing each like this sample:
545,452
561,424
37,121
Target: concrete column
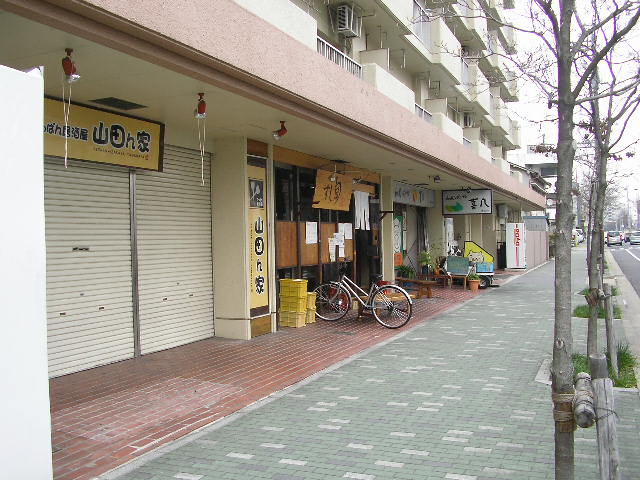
435,227
386,228
475,229
229,196
24,416
489,236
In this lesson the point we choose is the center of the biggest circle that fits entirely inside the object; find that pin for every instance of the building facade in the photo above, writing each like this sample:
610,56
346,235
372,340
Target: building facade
165,226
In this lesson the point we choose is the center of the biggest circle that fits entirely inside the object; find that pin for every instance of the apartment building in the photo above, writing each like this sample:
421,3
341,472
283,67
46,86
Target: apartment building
379,127
195,152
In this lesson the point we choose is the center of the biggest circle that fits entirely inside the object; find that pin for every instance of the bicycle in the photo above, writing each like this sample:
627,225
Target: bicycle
390,304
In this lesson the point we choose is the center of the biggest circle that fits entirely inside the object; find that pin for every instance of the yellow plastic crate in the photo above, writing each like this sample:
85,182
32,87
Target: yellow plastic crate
311,300
293,287
311,316
292,304
292,319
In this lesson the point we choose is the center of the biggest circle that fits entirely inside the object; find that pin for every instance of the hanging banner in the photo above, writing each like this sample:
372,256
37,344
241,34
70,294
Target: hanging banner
258,271
412,195
333,191
466,202
516,243
104,137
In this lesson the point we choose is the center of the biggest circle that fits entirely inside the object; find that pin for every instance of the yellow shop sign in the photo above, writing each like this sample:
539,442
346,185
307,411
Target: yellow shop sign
99,136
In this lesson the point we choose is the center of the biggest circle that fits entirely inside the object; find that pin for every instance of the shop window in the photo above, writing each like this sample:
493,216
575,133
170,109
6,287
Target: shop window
284,183
307,183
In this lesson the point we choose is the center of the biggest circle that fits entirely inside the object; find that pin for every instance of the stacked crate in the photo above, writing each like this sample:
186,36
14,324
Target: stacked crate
311,307
293,302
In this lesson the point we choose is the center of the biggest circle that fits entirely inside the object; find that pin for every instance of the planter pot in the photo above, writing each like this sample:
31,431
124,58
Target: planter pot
473,285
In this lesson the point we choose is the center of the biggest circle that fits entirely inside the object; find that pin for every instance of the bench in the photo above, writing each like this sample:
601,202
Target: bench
424,286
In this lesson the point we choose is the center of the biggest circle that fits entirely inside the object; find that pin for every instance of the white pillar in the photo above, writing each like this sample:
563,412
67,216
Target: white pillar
386,228
24,404
230,239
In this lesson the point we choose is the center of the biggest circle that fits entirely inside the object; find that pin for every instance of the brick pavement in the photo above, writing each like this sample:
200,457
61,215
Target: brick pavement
453,398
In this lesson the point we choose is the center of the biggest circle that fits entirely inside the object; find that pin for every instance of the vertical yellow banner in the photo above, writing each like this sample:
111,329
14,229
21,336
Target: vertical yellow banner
259,258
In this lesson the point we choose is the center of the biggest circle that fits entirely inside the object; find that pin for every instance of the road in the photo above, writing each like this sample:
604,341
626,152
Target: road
628,258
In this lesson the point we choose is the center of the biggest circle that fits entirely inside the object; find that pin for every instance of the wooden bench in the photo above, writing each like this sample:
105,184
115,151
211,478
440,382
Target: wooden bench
424,286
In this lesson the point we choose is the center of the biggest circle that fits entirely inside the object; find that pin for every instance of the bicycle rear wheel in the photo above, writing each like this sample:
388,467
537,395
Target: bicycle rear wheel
332,301
391,306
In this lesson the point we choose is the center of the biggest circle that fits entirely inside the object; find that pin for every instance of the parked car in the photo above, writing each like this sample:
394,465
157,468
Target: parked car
614,238
634,237
580,235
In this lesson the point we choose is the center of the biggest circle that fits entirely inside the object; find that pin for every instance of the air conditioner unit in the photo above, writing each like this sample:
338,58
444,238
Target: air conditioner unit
348,23
469,120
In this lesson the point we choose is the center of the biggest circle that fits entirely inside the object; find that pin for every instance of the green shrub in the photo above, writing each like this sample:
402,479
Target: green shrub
582,311
626,364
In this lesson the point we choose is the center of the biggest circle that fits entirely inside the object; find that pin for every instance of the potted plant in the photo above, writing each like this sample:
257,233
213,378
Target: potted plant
429,259
473,280
405,271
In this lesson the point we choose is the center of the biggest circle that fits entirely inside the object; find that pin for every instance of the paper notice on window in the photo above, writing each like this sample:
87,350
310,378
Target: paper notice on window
346,229
332,249
341,251
339,239
311,233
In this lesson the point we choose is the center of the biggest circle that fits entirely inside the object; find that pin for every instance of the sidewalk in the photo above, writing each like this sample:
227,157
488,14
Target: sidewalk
453,398
106,416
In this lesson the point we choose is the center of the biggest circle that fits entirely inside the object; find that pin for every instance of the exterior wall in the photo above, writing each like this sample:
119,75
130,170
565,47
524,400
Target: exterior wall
475,228
25,417
285,16
537,249
489,236
239,60
388,85
435,225
230,238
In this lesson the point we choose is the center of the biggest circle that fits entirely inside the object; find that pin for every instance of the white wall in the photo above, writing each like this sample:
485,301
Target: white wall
25,444
388,85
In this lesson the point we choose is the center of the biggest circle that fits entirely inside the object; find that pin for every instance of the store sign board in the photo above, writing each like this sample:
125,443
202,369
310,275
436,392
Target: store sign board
100,136
258,246
467,202
333,191
516,243
412,195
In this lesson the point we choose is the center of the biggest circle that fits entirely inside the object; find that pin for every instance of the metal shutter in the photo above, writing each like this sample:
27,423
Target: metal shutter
89,298
175,275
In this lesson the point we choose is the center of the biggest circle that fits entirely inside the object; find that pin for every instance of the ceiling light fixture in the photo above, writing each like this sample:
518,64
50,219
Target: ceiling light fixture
436,179
278,134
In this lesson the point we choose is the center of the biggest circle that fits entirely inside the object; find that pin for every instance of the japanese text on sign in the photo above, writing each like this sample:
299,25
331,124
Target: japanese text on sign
258,248
105,137
333,191
464,202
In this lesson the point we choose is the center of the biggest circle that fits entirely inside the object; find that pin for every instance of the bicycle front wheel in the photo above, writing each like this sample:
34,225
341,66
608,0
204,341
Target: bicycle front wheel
391,306
332,301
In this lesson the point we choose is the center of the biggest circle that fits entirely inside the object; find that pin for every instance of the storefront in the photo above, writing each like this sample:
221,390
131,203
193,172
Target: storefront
326,213
410,233
128,237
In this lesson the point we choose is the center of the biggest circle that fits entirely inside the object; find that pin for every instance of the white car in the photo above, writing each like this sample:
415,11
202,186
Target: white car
634,237
580,235
614,238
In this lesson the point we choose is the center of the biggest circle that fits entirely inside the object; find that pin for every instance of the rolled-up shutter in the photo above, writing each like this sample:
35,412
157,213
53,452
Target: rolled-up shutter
89,297
173,211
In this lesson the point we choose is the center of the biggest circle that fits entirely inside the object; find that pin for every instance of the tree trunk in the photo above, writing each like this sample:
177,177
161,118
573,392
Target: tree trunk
562,370
600,178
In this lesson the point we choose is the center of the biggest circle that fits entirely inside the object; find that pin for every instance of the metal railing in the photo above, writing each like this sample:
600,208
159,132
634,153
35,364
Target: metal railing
466,142
339,58
423,114
420,25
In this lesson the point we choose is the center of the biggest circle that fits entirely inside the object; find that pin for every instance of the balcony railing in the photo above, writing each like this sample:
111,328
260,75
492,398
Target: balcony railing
339,58
423,114
466,142
420,25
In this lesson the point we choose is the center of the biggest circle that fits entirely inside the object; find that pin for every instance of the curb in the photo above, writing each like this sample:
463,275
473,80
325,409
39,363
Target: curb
631,307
